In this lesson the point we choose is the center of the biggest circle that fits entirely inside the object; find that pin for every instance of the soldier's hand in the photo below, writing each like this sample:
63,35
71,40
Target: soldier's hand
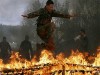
73,15
24,16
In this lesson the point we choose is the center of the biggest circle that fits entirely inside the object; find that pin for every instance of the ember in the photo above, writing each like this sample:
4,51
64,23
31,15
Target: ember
75,64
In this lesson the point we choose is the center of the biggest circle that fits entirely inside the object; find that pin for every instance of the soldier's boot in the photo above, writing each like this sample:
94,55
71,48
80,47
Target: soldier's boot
50,45
37,53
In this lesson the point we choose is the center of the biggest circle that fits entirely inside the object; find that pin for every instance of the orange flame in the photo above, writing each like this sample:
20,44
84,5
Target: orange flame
59,64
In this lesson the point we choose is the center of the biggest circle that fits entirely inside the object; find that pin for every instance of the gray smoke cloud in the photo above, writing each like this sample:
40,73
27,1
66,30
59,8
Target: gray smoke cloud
11,11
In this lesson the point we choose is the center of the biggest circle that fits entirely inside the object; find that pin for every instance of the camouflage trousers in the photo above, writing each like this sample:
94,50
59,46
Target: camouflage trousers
45,32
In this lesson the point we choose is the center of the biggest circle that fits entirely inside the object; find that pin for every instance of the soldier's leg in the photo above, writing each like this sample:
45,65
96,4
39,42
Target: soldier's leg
5,57
50,37
50,44
46,34
38,51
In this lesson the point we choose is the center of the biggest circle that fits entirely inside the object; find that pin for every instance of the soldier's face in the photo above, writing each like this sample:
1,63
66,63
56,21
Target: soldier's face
50,7
4,39
82,34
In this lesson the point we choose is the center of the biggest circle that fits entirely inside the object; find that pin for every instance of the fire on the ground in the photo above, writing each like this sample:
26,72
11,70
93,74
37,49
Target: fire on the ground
49,64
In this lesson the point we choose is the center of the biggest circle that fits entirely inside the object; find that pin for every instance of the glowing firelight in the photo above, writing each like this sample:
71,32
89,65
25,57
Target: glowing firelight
49,64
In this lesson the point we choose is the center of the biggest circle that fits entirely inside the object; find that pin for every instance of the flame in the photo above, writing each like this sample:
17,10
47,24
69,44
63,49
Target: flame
97,58
48,63
77,58
46,57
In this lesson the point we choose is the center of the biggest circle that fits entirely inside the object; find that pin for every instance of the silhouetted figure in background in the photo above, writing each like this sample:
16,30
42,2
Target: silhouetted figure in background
26,48
45,26
82,41
5,50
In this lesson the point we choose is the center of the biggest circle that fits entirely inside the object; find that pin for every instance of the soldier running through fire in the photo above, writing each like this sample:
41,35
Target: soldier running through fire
26,48
45,27
5,50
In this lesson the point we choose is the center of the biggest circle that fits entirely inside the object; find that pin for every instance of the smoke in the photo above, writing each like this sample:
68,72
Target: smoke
11,11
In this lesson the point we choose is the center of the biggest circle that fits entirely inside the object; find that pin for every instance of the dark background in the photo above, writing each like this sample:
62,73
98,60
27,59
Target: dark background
88,18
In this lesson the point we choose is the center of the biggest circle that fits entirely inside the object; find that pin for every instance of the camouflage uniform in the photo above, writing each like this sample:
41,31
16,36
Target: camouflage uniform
82,44
5,51
26,49
45,27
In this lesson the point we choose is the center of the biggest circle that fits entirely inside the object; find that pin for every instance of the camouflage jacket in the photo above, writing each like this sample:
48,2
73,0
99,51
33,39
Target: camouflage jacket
5,47
45,17
26,46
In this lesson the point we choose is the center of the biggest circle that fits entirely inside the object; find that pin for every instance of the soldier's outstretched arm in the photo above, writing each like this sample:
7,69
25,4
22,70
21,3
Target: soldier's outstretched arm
58,14
32,14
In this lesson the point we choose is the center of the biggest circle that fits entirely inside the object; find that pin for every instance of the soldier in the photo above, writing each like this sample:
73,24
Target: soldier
45,27
26,48
82,41
5,50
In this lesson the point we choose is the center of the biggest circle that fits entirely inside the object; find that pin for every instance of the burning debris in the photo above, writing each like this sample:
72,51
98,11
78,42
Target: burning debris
76,64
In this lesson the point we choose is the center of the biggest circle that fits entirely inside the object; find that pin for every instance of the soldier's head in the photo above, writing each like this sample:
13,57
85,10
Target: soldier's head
26,37
50,5
4,38
82,32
